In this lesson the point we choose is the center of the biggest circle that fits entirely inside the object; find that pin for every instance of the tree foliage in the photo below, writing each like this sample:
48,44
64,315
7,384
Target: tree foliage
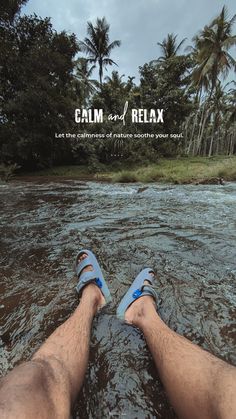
44,76
212,50
36,89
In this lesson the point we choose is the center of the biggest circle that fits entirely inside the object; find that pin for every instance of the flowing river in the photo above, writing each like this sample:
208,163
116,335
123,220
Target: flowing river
186,233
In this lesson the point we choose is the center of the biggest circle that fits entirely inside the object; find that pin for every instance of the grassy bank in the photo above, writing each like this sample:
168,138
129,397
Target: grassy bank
184,170
181,170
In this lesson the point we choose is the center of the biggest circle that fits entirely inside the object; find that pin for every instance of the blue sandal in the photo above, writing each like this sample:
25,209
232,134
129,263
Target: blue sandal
137,290
94,276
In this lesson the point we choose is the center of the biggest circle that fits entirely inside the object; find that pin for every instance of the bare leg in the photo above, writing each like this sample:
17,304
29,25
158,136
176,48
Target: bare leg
199,385
47,386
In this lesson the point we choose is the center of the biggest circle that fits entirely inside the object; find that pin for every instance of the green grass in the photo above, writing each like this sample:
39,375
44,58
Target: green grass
179,170
125,176
183,170
64,171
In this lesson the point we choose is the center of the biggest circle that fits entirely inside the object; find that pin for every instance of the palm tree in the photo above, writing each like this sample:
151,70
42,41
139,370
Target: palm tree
230,128
199,81
84,84
115,81
130,83
218,111
232,101
212,45
97,45
169,47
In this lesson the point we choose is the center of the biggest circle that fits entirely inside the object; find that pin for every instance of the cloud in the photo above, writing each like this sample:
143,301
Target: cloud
139,24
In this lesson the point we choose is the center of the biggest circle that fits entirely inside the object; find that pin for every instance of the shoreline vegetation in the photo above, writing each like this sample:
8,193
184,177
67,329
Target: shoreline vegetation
183,170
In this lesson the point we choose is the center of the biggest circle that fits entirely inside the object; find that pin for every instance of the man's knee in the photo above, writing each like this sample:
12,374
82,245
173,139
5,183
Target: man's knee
26,388
53,374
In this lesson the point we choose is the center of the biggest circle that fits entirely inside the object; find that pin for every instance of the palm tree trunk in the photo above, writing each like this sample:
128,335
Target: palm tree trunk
212,139
191,142
100,71
202,131
185,129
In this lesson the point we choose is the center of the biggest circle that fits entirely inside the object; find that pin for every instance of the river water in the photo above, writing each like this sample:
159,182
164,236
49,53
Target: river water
186,233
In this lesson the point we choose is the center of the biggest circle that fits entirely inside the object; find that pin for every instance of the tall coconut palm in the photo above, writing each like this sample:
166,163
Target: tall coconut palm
169,47
97,45
213,44
218,111
199,81
84,84
232,101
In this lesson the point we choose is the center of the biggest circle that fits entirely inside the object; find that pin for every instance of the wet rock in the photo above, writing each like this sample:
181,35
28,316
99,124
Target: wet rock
211,181
140,190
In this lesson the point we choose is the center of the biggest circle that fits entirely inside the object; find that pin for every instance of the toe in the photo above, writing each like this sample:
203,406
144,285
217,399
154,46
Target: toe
81,257
147,282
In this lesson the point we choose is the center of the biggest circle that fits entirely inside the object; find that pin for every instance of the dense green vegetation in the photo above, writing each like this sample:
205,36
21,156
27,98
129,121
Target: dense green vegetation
45,75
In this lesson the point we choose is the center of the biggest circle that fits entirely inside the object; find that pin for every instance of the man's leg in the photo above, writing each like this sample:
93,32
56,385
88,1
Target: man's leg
199,385
47,386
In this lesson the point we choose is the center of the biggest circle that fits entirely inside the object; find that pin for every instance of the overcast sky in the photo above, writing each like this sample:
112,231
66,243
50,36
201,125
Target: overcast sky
139,24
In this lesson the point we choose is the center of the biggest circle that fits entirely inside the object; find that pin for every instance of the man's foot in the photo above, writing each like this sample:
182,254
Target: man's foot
140,308
91,291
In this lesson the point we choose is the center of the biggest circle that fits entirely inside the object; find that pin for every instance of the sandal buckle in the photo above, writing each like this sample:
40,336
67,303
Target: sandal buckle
98,282
137,294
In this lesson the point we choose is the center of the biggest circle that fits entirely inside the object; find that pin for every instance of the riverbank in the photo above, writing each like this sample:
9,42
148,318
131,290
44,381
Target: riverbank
177,171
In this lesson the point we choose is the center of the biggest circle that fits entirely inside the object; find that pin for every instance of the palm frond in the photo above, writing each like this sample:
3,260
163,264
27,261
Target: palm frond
112,46
108,61
180,45
229,42
231,60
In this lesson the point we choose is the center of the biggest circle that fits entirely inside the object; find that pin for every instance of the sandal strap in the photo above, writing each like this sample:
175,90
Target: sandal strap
83,264
86,278
149,290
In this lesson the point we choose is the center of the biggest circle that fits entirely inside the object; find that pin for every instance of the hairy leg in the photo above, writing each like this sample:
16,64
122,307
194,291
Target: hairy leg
198,384
47,386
